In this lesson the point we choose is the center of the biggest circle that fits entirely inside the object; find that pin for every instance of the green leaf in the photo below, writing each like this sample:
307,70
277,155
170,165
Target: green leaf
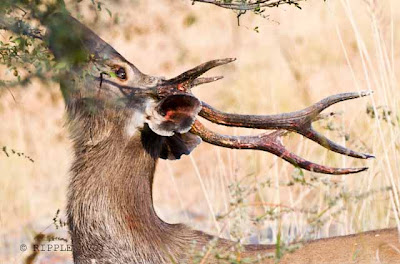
61,65
113,74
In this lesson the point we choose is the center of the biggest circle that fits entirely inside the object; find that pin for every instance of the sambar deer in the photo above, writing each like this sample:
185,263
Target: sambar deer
122,121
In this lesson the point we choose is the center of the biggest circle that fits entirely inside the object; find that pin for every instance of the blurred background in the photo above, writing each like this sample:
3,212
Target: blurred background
287,59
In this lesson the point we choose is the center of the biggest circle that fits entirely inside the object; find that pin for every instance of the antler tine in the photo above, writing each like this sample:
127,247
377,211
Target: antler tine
310,133
200,81
192,74
299,121
267,142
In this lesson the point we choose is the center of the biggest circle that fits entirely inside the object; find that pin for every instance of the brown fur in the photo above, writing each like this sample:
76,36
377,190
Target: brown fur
110,210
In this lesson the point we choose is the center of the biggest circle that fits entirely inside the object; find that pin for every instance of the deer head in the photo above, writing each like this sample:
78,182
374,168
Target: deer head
100,79
167,106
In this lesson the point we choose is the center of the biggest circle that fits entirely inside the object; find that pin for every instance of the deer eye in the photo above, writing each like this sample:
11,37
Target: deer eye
121,73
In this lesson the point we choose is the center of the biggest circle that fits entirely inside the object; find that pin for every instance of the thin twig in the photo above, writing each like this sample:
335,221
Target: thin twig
12,95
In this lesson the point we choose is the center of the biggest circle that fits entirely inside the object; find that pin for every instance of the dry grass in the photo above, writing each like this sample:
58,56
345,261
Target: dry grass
297,58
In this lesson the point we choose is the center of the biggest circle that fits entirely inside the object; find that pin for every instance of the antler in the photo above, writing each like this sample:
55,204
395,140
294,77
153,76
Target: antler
267,142
299,122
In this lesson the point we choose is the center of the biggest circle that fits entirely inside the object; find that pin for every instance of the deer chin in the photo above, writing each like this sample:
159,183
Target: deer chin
135,122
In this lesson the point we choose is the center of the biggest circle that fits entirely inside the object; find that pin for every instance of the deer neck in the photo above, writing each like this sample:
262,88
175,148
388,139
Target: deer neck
110,203
110,207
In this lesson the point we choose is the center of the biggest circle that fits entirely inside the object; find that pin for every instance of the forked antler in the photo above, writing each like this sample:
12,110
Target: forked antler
299,122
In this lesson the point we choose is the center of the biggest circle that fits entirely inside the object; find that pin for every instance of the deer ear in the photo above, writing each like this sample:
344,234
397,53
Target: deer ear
177,145
174,114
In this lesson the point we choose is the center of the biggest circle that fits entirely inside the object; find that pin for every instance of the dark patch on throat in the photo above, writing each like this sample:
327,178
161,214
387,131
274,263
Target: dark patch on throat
152,142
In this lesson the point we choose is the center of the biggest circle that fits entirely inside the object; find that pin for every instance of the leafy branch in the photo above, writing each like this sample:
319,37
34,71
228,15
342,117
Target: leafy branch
20,27
250,5
258,7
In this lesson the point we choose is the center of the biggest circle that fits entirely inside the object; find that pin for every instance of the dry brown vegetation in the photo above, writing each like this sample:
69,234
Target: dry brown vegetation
296,58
